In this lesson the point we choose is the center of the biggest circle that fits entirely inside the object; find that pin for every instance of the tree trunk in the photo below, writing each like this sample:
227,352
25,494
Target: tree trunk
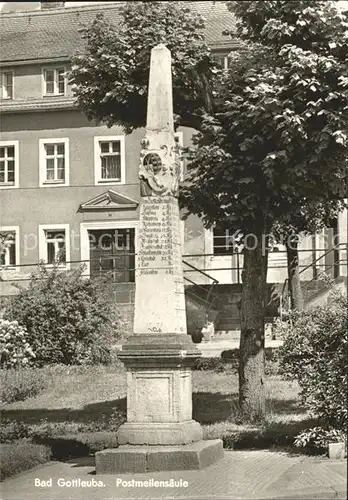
294,283
252,340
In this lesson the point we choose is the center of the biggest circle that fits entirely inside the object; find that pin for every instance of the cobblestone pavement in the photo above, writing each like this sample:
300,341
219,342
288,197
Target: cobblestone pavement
253,475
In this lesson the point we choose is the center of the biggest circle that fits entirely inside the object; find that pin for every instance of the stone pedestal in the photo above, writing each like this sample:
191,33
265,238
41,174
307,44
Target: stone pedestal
159,390
159,433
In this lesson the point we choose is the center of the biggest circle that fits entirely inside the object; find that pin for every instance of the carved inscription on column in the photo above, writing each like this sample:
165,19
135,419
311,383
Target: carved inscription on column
159,237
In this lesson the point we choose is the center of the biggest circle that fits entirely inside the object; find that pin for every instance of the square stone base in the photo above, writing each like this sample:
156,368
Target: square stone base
159,433
135,459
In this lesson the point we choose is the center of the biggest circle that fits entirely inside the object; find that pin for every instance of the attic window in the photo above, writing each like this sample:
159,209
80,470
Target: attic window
6,84
54,81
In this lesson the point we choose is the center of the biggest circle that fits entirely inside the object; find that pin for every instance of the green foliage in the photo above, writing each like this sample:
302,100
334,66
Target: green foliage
111,79
310,25
69,318
3,244
15,350
318,438
214,364
12,431
233,354
21,456
80,444
110,422
277,140
76,439
314,352
271,434
20,384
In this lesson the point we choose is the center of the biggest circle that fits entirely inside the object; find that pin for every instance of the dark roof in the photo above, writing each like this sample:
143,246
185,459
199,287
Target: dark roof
53,34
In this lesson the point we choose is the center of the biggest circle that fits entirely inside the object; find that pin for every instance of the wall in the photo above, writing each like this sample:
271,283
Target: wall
29,82
27,206
30,205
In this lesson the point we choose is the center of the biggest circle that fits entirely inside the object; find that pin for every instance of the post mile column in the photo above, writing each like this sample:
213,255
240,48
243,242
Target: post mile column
160,433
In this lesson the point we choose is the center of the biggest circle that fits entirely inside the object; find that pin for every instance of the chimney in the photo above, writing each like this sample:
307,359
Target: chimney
51,5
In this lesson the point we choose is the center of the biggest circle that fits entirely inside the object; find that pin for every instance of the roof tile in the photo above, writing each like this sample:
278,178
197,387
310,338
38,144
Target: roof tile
54,34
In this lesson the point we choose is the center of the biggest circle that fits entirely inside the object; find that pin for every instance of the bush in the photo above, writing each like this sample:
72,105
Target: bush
110,422
17,385
12,431
79,444
21,456
269,435
318,438
233,354
214,364
314,352
15,349
69,318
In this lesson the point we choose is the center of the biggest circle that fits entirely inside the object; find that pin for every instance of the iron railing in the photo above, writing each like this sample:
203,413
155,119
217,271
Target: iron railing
209,294
284,295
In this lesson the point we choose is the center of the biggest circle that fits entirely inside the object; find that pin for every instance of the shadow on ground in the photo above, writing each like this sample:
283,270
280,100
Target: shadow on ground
89,413
208,408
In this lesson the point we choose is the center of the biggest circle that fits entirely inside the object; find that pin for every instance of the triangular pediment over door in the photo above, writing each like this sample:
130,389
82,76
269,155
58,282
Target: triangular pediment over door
110,200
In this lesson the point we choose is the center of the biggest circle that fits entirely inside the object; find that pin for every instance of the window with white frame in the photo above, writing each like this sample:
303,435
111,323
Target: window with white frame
109,159
6,84
8,248
223,242
54,162
54,244
222,60
8,164
54,81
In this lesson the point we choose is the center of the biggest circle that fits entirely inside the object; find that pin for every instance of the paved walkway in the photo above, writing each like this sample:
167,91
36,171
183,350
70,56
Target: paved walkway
252,475
214,348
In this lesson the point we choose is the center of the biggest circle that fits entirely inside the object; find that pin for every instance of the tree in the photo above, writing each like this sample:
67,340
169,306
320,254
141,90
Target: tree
270,129
110,80
275,144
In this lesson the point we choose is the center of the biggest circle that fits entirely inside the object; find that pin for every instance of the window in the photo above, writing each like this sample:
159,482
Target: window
109,159
109,247
223,242
54,162
54,81
222,60
113,251
54,244
6,82
9,247
8,164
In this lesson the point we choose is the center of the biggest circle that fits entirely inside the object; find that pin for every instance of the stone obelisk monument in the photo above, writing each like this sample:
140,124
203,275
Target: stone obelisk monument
160,433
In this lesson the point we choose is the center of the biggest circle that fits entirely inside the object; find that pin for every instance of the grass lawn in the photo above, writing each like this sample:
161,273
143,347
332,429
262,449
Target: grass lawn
81,408
80,397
